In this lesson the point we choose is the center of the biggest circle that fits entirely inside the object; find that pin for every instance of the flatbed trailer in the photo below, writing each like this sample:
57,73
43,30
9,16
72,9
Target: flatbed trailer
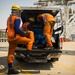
41,55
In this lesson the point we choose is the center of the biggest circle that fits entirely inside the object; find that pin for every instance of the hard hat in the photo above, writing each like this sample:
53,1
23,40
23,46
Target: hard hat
31,19
16,7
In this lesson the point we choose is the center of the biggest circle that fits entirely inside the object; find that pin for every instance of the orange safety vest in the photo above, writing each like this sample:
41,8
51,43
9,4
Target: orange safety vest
48,17
10,27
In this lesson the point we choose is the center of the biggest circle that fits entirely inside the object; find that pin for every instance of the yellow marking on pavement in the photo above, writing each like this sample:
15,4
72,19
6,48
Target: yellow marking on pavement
1,73
69,67
26,72
23,70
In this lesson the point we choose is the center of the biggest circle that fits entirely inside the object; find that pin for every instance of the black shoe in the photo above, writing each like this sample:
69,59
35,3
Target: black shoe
13,71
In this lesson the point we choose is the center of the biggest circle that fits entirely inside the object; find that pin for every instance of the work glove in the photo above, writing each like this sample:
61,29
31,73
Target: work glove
53,40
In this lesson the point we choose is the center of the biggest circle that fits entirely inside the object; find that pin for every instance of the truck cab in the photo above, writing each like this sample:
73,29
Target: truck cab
39,53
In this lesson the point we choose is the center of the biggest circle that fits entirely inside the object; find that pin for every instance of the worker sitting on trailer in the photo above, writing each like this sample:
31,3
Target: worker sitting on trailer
27,26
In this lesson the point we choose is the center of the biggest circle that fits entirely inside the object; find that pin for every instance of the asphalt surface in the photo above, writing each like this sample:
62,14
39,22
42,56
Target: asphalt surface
65,65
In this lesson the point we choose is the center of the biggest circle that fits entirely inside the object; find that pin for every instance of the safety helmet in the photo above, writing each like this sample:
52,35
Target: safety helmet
31,19
16,7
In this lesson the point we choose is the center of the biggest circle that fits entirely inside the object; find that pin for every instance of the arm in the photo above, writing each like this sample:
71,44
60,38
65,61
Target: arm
17,27
30,27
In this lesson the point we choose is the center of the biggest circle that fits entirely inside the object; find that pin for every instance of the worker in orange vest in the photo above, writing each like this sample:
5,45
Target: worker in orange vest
27,26
49,22
15,36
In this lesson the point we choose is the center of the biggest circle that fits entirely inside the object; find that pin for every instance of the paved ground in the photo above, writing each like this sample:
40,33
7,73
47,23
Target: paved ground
68,45
65,45
65,65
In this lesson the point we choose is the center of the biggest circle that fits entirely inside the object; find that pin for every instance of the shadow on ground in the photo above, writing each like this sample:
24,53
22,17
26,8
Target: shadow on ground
33,68
68,52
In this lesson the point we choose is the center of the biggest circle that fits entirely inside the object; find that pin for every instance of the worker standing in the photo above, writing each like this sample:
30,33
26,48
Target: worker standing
49,22
15,36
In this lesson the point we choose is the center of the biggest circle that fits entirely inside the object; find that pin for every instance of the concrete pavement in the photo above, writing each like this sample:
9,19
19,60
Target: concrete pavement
68,46
65,65
65,45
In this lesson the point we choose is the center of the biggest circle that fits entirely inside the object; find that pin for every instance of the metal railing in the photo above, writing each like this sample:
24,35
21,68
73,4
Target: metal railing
70,28
3,35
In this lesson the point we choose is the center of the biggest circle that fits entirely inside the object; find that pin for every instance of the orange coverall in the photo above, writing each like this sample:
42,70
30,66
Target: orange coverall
14,39
48,28
29,33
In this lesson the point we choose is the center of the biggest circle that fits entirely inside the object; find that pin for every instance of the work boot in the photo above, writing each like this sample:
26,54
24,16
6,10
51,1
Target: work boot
13,71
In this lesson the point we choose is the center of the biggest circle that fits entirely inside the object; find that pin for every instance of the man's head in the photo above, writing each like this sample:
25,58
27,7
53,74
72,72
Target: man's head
16,7
16,10
31,20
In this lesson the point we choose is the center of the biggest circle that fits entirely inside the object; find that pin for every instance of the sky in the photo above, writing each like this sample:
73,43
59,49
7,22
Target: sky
5,9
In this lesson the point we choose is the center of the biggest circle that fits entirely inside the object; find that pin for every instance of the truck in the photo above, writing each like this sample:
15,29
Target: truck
41,54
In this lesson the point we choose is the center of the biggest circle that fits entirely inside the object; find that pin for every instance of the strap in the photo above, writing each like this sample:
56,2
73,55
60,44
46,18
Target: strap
10,21
44,18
